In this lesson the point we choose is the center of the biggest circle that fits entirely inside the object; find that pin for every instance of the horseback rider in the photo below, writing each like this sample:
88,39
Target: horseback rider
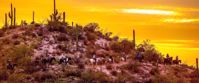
10,65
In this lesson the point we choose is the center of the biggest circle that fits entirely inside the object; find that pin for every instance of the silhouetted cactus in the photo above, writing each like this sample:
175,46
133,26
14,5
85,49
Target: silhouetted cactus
134,39
33,17
54,7
64,17
77,36
12,16
197,66
6,20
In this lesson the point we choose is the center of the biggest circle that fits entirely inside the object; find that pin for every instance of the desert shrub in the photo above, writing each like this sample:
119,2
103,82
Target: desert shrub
116,58
127,46
123,78
3,74
154,71
109,67
18,78
91,27
6,41
1,33
62,37
81,66
115,38
72,72
91,36
16,42
164,79
116,46
194,80
133,67
55,24
20,55
150,53
43,76
15,36
91,76
114,73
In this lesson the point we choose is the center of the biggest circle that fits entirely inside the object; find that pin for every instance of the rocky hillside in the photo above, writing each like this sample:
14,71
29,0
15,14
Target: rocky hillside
61,53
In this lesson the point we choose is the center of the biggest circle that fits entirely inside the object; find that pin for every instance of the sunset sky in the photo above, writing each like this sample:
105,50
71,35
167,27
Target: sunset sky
172,25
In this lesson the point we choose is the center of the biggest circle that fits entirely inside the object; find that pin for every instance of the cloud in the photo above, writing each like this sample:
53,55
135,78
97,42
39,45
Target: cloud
180,20
149,11
134,11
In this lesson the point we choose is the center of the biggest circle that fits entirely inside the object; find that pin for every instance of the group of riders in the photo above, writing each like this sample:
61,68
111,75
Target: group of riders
45,60
168,60
63,59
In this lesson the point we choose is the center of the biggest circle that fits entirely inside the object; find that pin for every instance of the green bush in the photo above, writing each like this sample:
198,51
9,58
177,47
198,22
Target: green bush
91,36
91,76
20,55
150,53
72,72
1,33
43,76
3,74
62,37
169,78
91,27
133,67
123,78
154,71
116,46
18,78
109,67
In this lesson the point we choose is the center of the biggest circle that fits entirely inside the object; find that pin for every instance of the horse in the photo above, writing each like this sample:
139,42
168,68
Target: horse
92,61
176,61
11,66
168,60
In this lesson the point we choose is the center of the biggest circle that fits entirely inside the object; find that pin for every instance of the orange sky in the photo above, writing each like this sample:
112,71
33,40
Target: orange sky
172,25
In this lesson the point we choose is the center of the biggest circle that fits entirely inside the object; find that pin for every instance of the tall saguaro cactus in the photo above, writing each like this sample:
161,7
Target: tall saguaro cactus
64,17
134,39
12,16
55,10
54,6
77,36
6,20
33,17
197,66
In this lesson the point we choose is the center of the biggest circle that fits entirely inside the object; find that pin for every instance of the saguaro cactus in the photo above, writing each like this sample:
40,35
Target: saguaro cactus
64,17
14,17
72,24
54,6
11,15
55,10
134,39
33,17
77,36
6,20
197,66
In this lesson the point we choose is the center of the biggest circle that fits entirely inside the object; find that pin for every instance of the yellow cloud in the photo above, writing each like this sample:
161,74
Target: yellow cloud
149,11
182,20
134,11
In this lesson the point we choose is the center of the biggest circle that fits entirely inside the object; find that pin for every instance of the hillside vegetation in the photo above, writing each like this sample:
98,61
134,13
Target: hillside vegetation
59,52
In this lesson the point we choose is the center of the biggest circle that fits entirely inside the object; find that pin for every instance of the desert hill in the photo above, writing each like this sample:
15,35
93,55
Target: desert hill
67,53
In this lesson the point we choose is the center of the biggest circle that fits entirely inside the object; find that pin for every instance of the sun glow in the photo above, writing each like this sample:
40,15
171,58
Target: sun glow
149,11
